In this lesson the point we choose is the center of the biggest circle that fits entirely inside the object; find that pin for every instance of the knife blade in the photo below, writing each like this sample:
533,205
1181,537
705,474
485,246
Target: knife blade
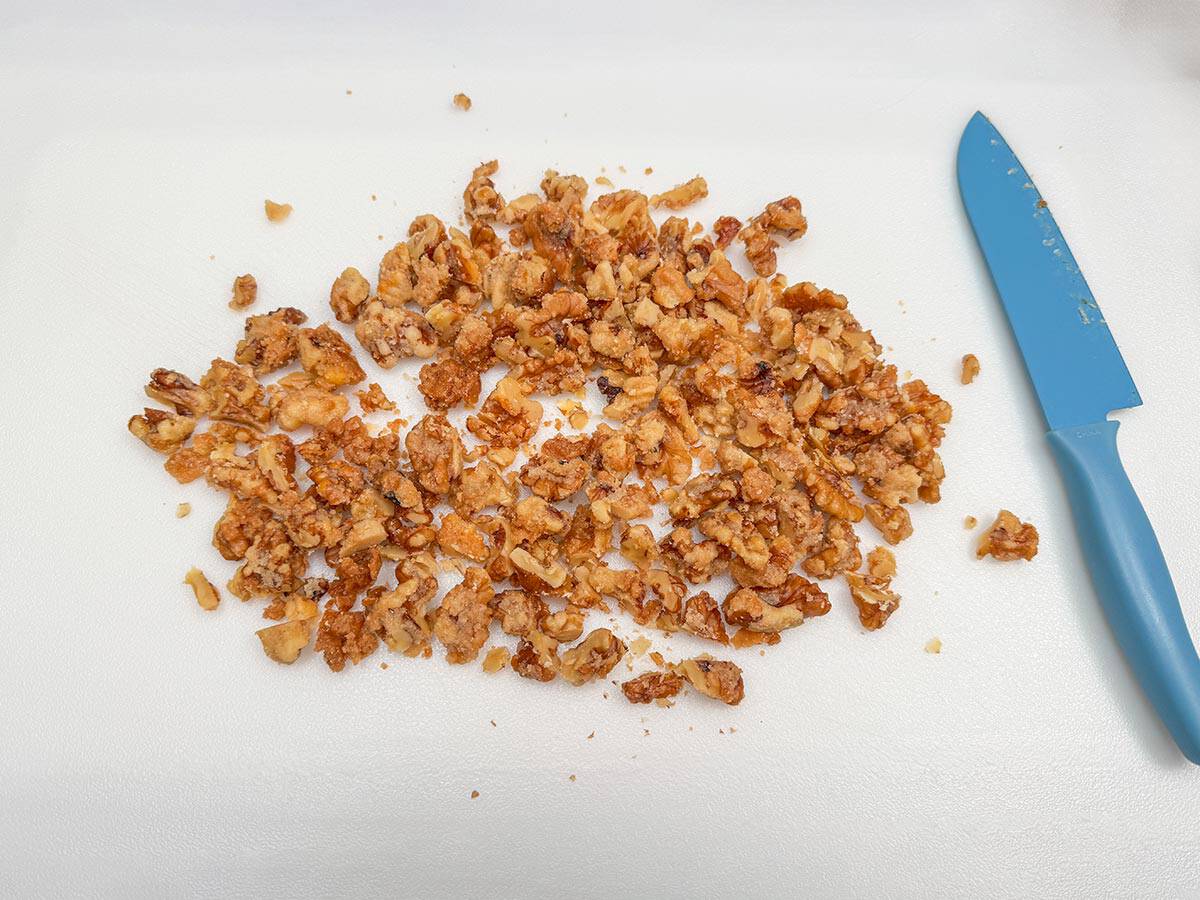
1080,377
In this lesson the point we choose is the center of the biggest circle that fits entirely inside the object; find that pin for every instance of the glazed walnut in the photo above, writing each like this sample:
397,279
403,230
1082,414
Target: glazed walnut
464,617
652,686
1009,538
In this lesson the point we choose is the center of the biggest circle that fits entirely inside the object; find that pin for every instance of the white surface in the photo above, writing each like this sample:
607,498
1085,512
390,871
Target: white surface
147,748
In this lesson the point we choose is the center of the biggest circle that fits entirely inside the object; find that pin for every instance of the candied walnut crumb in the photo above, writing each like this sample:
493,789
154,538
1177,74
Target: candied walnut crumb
276,212
495,660
1009,538
245,292
682,195
373,399
463,102
874,598
651,686
593,657
348,295
183,510
970,522
716,678
206,594
464,617
283,642
970,368
933,645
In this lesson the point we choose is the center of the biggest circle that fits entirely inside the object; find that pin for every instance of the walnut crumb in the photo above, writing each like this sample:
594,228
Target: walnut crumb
934,645
245,292
183,510
970,368
206,594
682,195
474,795
970,522
277,212
1009,538
495,660
462,101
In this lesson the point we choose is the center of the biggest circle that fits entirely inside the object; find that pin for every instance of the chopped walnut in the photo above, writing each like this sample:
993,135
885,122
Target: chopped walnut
874,599
436,453
373,399
495,660
651,686
1009,538
277,212
716,678
536,657
448,383
161,431
682,194
245,292
343,636
464,617
283,642
311,404
480,199
970,368
169,387
702,617
235,395
593,657
206,594
270,341
459,537
565,625
894,524
462,101
325,355
349,292
507,418
391,334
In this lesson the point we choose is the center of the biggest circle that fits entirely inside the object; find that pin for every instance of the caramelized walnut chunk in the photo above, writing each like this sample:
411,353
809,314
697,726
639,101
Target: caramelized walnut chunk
206,595
746,608
270,340
325,355
894,524
235,395
682,195
161,431
702,617
448,383
391,334
651,686
464,617
342,636
349,292
283,642
373,399
480,199
874,598
593,657
458,537
536,657
519,612
1009,538
716,678
507,418
436,453
173,389
245,292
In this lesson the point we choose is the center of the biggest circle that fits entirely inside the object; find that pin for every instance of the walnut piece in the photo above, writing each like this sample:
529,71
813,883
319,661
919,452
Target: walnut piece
716,678
651,686
593,657
970,368
1009,538
283,642
206,594
462,101
245,292
276,212
682,195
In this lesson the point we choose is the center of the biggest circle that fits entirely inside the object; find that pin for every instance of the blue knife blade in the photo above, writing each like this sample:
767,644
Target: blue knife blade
1074,363
1080,378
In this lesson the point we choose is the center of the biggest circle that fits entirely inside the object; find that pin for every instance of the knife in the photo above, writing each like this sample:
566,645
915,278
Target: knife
1080,378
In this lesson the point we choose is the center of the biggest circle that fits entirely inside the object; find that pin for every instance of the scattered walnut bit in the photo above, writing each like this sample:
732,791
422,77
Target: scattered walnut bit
716,678
206,594
327,357
161,431
874,599
349,292
536,657
1009,538
283,642
183,510
682,195
270,340
463,102
373,399
970,522
464,617
652,686
881,563
245,292
593,657
933,645
702,617
436,453
480,200
970,368
277,212
448,383
495,660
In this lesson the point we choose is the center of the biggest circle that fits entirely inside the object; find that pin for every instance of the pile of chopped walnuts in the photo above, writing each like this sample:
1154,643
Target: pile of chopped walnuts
758,414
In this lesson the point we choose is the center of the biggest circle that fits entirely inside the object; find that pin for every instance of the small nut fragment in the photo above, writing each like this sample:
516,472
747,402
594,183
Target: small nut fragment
349,292
283,642
495,660
682,194
206,594
277,212
652,686
182,510
1009,538
970,522
874,598
593,657
934,645
462,101
716,678
245,292
970,368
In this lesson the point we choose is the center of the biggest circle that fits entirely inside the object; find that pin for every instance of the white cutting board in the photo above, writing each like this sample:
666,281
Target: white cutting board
148,748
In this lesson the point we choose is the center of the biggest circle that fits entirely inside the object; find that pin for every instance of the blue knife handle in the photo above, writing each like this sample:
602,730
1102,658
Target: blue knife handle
1131,577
